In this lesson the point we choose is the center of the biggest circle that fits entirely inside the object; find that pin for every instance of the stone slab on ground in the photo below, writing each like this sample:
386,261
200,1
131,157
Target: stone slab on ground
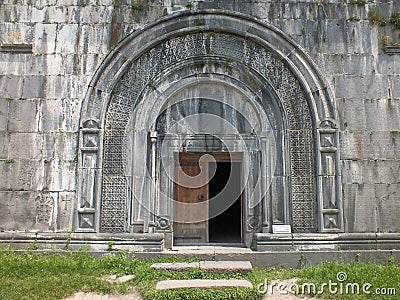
207,266
227,266
203,284
175,267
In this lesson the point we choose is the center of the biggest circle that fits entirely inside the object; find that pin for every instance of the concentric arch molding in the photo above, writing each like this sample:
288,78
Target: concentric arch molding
307,93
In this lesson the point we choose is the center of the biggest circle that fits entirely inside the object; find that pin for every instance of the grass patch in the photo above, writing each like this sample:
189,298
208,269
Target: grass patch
376,17
358,2
380,281
53,276
395,19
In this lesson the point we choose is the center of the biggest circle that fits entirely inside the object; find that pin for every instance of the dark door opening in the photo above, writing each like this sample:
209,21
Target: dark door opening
225,195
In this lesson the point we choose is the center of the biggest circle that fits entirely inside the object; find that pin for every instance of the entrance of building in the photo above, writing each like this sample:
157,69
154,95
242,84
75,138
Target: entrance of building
208,200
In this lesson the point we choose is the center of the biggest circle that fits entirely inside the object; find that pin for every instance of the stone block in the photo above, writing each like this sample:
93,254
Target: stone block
394,84
77,86
64,214
93,39
44,38
382,115
9,13
335,63
44,64
90,63
98,14
23,115
175,267
26,175
17,211
55,87
16,33
5,175
15,64
57,14
11,86
358,37
4,138
370,171
67,38
362,64
368,115
388,208
52,115
335,40
40,14
203,284
351,114
72,109
360,208
33,87
25,146
361,86
66,146
368,145
388,64
70,64
59,175
226,266
3,113
49,146
284,259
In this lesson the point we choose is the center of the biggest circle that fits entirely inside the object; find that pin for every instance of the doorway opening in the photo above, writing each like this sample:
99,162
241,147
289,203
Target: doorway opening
225,203
217,215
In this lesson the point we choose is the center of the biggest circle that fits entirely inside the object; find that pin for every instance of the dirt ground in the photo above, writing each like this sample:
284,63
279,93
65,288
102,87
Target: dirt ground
132,295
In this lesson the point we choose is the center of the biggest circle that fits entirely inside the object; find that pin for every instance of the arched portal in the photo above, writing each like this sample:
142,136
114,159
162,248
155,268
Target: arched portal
208,83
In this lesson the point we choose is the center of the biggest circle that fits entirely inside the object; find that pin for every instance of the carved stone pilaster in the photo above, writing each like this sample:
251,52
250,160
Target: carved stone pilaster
88,172
330,214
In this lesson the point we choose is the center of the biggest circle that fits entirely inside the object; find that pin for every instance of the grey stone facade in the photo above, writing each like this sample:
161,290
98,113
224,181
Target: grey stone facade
46,92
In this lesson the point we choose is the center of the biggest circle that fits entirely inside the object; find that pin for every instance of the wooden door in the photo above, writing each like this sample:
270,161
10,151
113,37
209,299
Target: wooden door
191,199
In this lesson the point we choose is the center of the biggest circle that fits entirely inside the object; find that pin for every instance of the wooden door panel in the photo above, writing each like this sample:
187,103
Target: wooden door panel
191,195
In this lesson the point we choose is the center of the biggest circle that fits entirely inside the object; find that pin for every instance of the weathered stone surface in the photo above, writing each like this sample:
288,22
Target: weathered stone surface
203,284
25,145
11,86
367,206
33,87
368,145
20,209
226,266
370,171
3,144
23,115
45,38
3,114
125,278
175,267
65,204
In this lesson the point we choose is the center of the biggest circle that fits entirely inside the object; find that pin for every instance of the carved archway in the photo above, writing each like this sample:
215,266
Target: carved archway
235,42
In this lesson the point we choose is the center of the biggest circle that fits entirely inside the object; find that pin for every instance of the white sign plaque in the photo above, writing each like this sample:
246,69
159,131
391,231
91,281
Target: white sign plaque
281,229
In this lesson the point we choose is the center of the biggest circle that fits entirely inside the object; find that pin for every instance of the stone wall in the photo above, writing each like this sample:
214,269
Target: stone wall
41,95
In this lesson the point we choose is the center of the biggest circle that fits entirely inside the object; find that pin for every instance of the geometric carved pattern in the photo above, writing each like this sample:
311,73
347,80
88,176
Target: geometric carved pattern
44,205
196,45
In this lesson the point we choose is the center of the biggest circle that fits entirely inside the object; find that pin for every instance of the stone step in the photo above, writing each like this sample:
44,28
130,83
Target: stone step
203,284
207,266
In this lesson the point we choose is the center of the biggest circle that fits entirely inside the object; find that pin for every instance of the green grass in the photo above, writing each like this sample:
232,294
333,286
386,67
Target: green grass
53,276
376,17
